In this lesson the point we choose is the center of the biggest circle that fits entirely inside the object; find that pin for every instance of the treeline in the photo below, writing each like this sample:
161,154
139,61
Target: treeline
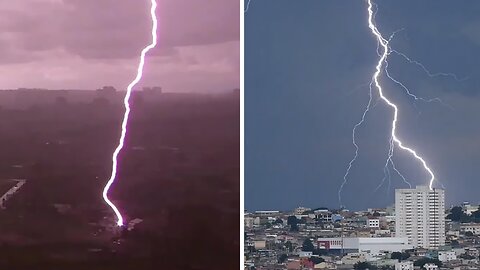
457,214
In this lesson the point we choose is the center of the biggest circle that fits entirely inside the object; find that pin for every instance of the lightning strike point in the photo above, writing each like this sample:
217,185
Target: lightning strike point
383,50
378,69
126,102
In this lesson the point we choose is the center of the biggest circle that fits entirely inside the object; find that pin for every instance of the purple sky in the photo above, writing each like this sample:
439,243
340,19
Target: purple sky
85,44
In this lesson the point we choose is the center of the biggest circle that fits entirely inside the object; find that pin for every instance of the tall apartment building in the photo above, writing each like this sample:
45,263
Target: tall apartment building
420,216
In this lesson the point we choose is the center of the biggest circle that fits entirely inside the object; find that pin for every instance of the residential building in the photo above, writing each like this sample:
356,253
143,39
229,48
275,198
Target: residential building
353,258
430,266
472,252
405,265
420,216
305,254
300,210
259,244
248,221
469,208
373,223
369,244
445,256
471,227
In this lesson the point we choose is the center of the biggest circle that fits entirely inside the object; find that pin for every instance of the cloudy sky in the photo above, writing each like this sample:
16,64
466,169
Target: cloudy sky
307,69
85,44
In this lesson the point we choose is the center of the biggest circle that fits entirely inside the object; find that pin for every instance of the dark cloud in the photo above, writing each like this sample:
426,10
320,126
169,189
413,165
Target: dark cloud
90,32
307,68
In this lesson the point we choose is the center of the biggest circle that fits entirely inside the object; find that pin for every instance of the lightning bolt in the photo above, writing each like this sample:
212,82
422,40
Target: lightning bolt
127,113
383,51
354,130
378,69
248,5
422,66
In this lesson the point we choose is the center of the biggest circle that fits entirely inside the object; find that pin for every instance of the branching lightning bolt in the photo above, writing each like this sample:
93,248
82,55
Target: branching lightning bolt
378,69
411,61
382,64
354,130
127,113
248,5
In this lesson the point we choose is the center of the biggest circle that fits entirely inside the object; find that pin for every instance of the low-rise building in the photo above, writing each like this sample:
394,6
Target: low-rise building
471,227
353,258
305,254
373,223
405,265
472,252
259,244
248,222
325,265
300,210
384,263
369,244
445,256
430,266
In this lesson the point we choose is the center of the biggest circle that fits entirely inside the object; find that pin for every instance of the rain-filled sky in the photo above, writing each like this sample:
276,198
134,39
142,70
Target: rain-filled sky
308,65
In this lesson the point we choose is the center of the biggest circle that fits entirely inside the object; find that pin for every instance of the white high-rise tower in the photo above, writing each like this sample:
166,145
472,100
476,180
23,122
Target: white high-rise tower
420,216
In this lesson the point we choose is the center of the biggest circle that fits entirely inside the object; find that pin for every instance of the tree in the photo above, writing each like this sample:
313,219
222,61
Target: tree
396,256
278,221
476,215
421,262
364,266
316,260
455,243
320,252
457,214
289,246
469,234
293,222
308,245
282,258
401,256
466,256
294,228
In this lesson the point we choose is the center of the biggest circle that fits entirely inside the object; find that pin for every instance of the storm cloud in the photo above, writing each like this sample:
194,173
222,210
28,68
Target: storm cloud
90,43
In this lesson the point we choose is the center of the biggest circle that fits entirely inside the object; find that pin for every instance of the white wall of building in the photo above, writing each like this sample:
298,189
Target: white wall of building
370,244
430,266
420,216
471,227
305,254
445,256
379,244
373,223
407,265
